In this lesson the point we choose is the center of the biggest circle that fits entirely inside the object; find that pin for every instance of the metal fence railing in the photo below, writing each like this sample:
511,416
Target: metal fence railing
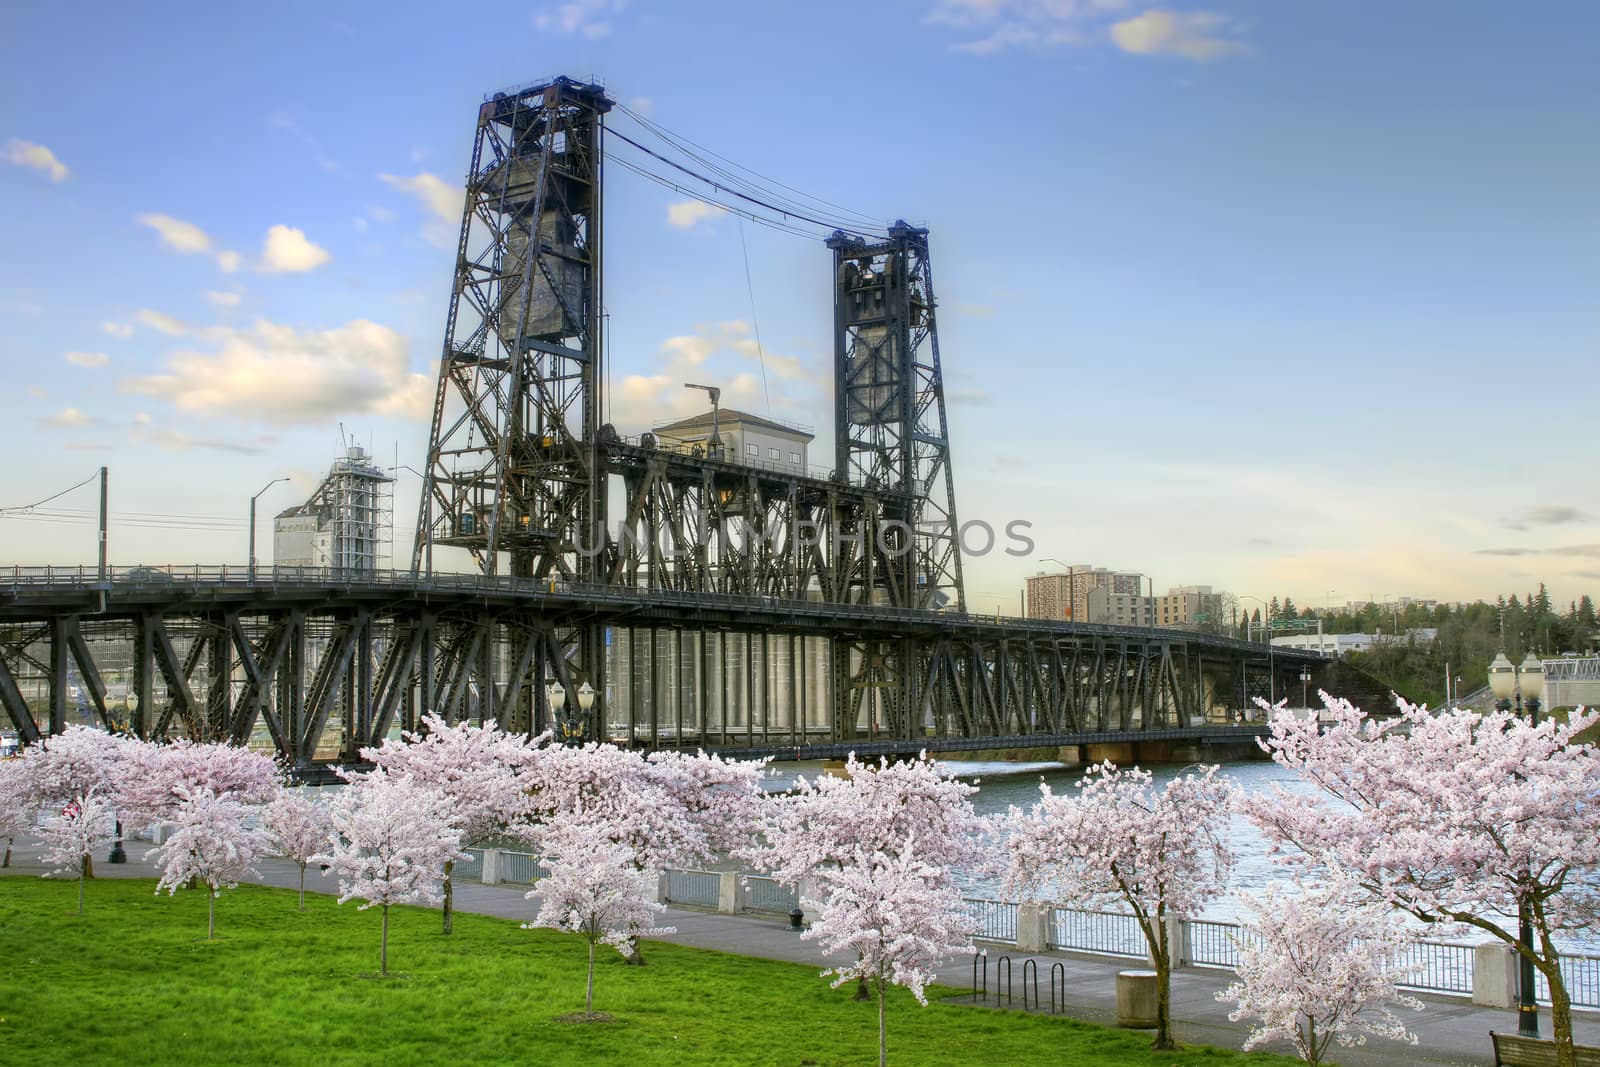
520,868
1582,977
470,868
1211,944
1438,967
1110,933
997,920
767,894
700,888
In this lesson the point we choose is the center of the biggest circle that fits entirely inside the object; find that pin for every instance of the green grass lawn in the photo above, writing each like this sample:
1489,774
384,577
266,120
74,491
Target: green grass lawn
134,982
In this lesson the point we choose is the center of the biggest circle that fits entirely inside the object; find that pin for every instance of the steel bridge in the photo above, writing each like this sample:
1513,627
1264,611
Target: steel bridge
730,606
317,664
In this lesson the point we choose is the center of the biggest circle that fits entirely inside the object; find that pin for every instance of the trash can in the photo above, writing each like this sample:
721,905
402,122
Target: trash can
1136,999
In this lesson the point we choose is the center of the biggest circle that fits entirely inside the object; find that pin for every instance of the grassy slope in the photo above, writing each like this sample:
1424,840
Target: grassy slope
133,981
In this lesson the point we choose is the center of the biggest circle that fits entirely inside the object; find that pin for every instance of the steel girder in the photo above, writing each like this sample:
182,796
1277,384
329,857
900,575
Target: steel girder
317,673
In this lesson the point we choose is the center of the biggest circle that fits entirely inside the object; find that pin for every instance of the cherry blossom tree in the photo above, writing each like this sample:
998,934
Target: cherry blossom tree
392,840
161,777
210,844
17,810
829,824
300,829
1119,840
668,810
83,824
900,916
486,773
66,767
1319,966
1452,817
595,888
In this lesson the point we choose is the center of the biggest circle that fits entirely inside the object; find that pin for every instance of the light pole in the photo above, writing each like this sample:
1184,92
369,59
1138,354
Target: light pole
585,704
1305,682
1525,685
264,488
557,695
1272,681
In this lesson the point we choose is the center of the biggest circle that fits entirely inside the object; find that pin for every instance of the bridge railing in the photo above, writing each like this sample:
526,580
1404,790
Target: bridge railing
17,580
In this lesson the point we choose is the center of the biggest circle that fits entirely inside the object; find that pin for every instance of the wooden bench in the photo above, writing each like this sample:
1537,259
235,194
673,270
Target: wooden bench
1513,1051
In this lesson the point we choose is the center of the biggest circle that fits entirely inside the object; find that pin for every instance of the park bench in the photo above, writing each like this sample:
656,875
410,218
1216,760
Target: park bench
1513,1051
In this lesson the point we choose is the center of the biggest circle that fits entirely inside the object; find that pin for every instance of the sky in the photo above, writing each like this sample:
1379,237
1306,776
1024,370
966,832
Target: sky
1283,298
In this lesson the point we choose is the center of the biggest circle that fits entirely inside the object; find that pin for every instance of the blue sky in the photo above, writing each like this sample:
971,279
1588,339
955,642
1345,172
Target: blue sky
1283,298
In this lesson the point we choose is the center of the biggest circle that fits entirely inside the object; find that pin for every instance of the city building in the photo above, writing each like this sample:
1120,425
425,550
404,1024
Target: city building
741,438
1344,644
1112,608
1066,596
1190,607
347,523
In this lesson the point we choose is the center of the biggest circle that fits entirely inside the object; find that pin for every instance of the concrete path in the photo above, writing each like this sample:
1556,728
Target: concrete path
1450,1031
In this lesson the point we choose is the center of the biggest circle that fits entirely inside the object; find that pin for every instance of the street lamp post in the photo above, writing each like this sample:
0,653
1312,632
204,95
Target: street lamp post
264,488
1305,682
1524,685
1266,626
585,704
557,695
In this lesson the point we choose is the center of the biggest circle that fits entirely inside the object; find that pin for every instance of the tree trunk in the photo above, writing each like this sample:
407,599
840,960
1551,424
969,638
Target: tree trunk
634,958
863,990
7,863
88,866
211,915
1163,1041
449,896
588,993
80,894
1560,1016
383,949
883,1033
302,887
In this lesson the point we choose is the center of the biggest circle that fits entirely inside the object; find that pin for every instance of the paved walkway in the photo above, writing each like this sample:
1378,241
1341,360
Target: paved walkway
1450,1031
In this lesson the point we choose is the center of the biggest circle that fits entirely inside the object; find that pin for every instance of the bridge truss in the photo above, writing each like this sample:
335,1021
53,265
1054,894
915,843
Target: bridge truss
315,666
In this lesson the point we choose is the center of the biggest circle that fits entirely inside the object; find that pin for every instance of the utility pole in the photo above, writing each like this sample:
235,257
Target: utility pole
103,478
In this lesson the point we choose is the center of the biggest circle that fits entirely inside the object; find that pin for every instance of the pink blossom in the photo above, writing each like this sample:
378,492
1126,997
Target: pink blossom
393,839
1319,966
1453,817
210,843
1119,841
158,777
300,829
71,835
595,888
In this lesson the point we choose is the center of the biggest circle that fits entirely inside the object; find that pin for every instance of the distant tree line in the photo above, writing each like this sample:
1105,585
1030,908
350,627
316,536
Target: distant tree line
1468,636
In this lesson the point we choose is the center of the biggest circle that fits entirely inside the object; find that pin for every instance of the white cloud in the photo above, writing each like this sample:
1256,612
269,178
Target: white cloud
287,250
1197,35
585,17
643,105
69,417
176,234
992,26
687,214
975,397
35,393
223,298
21,153
187,238
441,199
161,321
87,359
279,374
719,354
122,330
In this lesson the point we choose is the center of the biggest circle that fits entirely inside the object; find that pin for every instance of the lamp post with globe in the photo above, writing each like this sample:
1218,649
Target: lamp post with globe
1519,686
